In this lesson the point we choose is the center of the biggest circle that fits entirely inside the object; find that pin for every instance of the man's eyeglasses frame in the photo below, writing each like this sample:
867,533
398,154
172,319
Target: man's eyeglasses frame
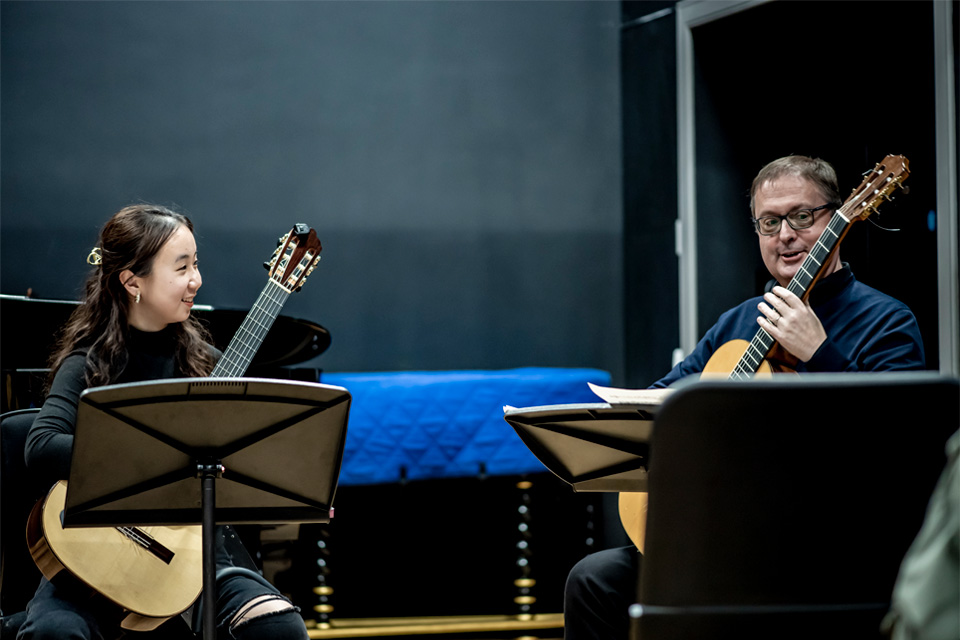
795,224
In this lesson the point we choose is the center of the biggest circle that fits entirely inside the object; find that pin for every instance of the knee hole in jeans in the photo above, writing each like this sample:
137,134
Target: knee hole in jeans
259,607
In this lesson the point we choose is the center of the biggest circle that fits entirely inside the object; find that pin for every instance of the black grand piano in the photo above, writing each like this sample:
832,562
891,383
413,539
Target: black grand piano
29,326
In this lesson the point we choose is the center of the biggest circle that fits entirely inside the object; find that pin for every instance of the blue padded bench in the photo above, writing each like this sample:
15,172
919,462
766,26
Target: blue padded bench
446,424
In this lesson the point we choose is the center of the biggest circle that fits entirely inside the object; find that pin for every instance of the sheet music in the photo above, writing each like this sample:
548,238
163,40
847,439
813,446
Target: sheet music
649,397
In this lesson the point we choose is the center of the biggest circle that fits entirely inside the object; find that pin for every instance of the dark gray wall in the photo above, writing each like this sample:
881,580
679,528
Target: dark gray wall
648,65
460,161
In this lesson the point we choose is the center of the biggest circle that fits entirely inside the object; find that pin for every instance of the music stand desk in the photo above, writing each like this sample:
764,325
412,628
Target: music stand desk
206,451
593,446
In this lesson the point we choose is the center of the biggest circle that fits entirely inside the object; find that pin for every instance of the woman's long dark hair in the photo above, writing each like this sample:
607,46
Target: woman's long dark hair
99,325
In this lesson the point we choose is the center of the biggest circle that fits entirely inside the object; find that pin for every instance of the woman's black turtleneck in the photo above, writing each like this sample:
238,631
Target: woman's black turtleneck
150,356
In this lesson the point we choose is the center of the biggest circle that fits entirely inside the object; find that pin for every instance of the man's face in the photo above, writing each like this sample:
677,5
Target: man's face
785,251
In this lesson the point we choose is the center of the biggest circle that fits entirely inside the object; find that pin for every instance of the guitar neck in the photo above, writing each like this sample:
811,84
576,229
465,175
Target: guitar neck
251,333
802,283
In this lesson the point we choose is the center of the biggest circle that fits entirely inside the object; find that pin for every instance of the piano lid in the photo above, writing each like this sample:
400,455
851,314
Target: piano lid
29,326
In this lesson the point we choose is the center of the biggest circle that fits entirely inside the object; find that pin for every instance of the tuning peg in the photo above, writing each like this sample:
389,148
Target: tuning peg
266,265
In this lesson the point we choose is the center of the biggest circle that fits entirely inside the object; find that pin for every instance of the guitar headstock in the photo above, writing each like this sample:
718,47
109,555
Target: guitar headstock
297,255
877,185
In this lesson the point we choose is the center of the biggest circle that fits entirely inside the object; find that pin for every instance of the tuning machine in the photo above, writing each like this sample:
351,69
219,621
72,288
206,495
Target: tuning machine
276,252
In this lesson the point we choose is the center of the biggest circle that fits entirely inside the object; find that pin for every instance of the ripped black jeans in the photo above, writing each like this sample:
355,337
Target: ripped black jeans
234,592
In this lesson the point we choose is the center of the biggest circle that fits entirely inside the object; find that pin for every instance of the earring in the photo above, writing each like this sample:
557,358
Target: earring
137,299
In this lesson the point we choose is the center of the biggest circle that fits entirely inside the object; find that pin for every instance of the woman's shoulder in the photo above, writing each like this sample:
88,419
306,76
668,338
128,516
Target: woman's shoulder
75,360
71,374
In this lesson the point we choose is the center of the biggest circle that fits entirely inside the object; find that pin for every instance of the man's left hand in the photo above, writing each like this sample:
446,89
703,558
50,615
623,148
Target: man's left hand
791,322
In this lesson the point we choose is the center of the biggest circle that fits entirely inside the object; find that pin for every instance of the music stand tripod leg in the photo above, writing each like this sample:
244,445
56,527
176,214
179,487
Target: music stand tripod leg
208,498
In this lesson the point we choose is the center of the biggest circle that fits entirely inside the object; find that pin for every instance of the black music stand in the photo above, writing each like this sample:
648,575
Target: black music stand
206,451
592,447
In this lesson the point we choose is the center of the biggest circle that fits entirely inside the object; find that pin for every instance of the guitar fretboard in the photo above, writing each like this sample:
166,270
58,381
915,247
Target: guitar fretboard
252,331
800,285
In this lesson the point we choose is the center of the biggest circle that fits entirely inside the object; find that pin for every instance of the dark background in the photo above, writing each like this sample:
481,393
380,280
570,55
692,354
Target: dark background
459,160
492,185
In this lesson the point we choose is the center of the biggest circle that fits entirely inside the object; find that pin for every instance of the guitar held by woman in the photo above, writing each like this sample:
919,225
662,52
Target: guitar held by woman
135,324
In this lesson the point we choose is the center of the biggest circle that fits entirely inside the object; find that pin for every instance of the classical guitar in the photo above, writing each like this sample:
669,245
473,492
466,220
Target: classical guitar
154,573
739,359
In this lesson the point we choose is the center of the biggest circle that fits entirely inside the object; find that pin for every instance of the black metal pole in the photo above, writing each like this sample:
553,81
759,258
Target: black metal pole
208,501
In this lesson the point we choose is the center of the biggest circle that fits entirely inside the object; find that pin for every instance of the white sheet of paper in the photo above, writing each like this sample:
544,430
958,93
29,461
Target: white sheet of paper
630,396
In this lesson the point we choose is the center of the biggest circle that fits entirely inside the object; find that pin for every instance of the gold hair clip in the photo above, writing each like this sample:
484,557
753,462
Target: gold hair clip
94,257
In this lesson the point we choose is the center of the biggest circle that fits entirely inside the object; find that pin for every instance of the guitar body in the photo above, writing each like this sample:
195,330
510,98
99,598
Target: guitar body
150,589
633,516
726,357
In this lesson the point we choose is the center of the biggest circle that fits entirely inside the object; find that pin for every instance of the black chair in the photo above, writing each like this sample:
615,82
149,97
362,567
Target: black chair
783,507
19,491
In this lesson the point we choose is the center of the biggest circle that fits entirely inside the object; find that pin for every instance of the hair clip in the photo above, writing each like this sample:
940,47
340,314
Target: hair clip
94,257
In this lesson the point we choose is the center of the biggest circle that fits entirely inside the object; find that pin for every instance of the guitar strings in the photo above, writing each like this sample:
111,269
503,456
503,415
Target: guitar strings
256,325
762,342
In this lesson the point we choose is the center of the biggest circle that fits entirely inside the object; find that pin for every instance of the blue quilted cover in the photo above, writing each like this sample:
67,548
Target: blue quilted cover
446,424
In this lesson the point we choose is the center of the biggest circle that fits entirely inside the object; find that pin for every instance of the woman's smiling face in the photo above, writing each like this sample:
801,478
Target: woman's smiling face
168,291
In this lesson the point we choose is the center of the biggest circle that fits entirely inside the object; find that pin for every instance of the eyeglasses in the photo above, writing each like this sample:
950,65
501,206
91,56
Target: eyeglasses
799,219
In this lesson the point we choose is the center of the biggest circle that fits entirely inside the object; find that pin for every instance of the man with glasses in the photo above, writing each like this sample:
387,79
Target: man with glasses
843,326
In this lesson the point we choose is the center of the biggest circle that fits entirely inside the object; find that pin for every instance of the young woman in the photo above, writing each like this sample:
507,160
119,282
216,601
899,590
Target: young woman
134,324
